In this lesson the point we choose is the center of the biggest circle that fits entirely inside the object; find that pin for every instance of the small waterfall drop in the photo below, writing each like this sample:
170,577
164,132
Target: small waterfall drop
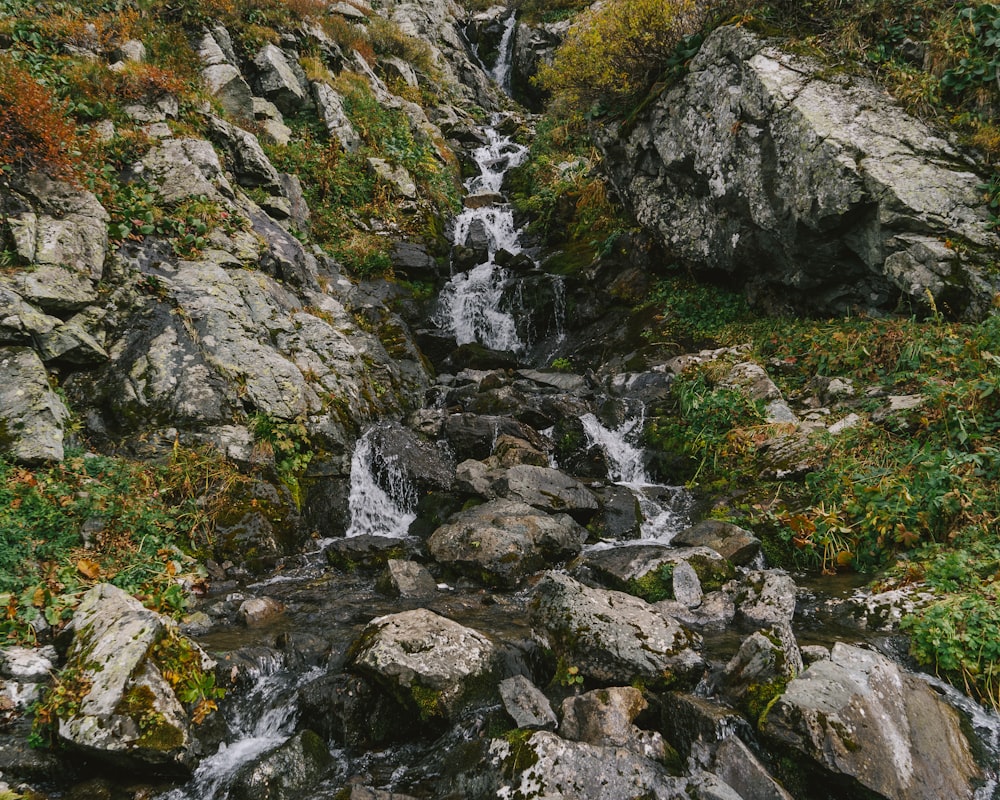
501,71
374,510
665,509
471,305
262,720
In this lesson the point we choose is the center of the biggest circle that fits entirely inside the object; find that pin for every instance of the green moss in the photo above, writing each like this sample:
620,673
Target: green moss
655,585
428,702
522,754
155,732
760,697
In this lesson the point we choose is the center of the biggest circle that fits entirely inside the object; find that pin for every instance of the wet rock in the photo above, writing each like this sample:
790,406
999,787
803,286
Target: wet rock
400,455
286,772
32,416
526,704
603,716
259,611
510,451
366,552
761,669
277,80
735,764
765,597
368,793
349,710
544,765
477,240
547,489
412,260
432,666
728,540
503,541
259,530
619,516
473,436
534,45
646,570
130,713
611,636
857,714
407,579
690,722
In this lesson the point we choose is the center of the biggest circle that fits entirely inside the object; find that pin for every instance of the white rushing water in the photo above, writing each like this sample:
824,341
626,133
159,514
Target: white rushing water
374,510
665,509
261,721
501,71
471,305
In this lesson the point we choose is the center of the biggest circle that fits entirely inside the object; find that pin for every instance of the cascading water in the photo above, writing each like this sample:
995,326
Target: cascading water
665,509
264,719
501,71
374,510
471,304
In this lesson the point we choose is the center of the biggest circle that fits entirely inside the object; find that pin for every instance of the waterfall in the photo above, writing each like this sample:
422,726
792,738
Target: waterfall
471,304
502,69
259,722
374,510
665,509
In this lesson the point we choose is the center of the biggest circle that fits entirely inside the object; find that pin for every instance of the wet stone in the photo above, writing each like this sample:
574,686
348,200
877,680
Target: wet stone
526,704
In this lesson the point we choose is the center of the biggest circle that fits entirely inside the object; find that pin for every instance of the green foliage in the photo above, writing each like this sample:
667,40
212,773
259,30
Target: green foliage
141,522
180,664
615,53
61,701
287,442
979,27
655,585
568,675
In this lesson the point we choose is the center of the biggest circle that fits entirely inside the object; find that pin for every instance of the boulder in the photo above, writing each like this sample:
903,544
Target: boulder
276,79
857,714
547,489
432,666
32,416
180,169
223,79
728,540
544,765
330,106
473,435
603,716
692,723
247,161
286,772
612,636
400,455
813,189
128,712
765,597
526,704
761,668
735,763
646,570
503,541
407,579
366,552
397,178
259,611
534,45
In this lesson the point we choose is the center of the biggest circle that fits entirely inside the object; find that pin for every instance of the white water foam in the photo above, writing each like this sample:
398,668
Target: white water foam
665,509
502,69
374,510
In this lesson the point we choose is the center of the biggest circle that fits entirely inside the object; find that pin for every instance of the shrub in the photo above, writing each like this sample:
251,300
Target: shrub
35,133
616,53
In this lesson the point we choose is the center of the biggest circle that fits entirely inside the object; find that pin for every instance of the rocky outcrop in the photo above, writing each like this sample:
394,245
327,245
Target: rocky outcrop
812,191
128,710
859,715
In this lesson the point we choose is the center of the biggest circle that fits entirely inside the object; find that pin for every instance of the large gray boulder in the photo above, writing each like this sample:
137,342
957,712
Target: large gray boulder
858,714
277,77
129,712
504,541
330,107
813,189
222,78
612,636
432,666
543,765
32,416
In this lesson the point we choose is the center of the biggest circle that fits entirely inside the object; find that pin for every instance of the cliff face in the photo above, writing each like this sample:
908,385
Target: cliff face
813,191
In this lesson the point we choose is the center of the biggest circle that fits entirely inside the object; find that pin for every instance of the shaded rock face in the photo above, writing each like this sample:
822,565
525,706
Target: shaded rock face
286,772
858,715
32,416
814,192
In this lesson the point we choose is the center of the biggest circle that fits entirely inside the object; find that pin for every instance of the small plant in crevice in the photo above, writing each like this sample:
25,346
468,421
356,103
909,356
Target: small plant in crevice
287,442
